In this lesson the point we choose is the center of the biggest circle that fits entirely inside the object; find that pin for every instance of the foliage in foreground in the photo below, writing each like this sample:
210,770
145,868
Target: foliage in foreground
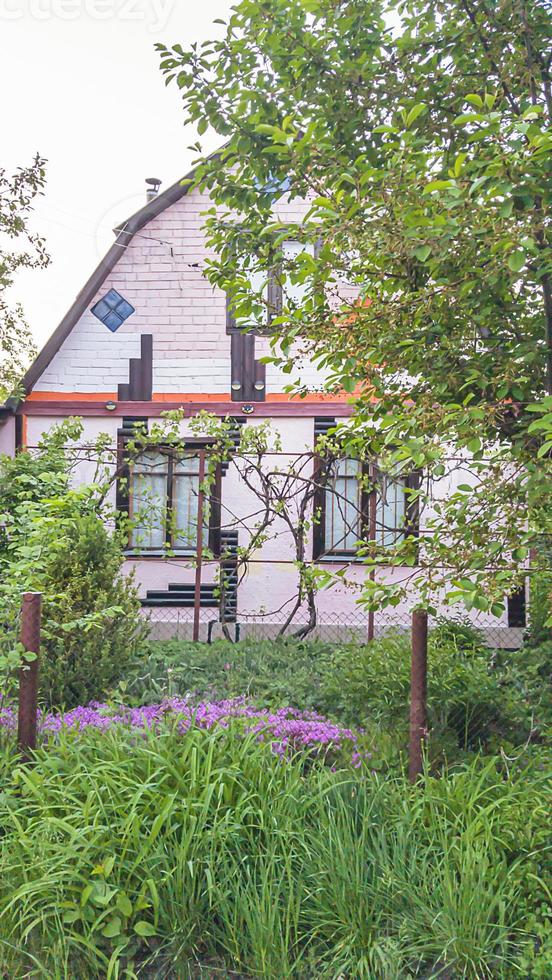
93,623
54,539
124,855
477,697
21,248
418,133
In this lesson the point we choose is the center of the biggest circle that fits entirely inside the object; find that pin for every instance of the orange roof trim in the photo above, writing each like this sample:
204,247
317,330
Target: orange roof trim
178,396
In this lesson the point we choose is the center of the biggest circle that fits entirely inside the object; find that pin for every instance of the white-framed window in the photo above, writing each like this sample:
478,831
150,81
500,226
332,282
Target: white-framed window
272,290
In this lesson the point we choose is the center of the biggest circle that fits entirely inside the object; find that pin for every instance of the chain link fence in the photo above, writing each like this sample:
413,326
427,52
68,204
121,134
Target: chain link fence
482,693
356,626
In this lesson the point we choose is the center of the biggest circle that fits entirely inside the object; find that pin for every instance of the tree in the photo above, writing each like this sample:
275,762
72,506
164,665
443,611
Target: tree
25,249
419,131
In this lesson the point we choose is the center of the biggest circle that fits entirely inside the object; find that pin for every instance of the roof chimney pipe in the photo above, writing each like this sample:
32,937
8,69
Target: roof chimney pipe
152,189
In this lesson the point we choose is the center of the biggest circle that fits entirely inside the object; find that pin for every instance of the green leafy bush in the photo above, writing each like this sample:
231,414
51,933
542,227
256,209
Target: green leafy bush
540,609
54,539
92,621
154,854
372,683
526,691
273,672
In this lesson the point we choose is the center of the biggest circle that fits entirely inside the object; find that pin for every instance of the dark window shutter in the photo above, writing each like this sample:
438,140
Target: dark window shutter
230,317
516,609
319,504
123,478
215,513
274,297
412,509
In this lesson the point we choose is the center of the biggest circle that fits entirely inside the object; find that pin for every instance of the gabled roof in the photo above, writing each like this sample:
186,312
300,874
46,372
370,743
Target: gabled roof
125,233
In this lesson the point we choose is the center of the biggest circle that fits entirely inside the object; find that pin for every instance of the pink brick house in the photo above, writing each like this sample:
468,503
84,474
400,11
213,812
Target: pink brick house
148,332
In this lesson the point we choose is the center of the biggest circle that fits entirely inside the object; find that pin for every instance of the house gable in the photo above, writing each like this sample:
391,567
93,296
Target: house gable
156,265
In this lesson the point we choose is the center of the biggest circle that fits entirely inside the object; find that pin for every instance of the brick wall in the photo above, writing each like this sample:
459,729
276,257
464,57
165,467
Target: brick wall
175,303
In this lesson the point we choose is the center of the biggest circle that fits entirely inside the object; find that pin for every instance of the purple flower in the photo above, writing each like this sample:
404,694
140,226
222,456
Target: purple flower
287,729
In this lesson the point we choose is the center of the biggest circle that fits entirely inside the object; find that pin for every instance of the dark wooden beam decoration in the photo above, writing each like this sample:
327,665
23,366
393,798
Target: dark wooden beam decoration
140,383
247,375
292,408
259,381
146,366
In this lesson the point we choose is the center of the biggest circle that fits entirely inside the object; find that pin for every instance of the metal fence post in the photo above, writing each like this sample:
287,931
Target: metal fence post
28,674
199,547
418,694
372,532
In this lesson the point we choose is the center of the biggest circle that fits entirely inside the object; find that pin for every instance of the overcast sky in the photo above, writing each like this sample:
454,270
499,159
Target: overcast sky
80,84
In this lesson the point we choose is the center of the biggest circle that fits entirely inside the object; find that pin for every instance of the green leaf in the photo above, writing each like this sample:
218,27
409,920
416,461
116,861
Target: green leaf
414,112
143,928
202,125
481,602
124,904
71,916
545,449
108,865
475,100
86,893
466,117
459,163
437,185
113,927
422,252
545,422
516,260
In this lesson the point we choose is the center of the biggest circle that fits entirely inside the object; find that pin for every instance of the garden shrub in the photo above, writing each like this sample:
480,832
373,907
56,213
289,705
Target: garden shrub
54,539
372,683
539,629
273,672
526,691
92,624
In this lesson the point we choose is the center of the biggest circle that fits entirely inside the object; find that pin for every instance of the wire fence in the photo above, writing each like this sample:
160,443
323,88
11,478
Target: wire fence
439,684
352,626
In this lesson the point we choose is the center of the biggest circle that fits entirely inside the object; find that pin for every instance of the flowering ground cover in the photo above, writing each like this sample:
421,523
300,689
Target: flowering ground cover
286,729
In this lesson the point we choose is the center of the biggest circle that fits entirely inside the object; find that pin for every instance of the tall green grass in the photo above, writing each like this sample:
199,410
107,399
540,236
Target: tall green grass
128,855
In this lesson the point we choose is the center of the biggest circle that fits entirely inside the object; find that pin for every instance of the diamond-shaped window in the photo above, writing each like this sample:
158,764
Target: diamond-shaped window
113,309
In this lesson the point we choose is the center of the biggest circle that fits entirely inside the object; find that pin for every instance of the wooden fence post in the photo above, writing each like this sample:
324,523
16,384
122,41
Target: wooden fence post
372,531
28,674
418,695
199,546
